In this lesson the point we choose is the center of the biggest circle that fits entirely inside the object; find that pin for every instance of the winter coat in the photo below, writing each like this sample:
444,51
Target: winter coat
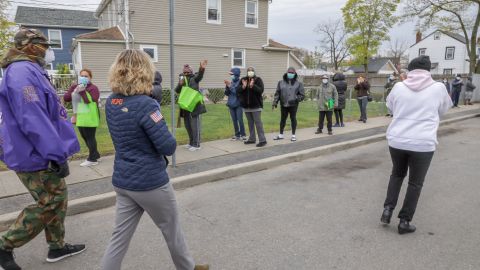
141,139
231,92
341,85
289,92
34,126
469,87
323,94
363,89
251,97
457,85
157,92
194,83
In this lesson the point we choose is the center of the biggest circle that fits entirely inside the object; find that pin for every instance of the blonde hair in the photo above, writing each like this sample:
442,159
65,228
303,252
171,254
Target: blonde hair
132,73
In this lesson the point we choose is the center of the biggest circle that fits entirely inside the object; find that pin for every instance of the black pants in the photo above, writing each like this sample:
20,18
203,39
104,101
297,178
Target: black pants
417,164
338,116
88,135
293,118
321,120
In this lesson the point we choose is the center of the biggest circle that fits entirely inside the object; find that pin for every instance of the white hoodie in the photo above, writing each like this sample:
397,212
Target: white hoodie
416,104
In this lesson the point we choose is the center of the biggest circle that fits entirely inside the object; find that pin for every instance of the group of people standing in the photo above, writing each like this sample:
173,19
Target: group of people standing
455,89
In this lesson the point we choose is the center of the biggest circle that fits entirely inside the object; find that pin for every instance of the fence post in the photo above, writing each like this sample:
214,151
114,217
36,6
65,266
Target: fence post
350,104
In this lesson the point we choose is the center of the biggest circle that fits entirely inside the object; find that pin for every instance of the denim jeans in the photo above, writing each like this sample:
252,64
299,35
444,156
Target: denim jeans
416,164
237,119
362,104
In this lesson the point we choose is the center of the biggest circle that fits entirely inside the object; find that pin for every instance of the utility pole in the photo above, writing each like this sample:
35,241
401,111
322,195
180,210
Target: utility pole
127,24
172,72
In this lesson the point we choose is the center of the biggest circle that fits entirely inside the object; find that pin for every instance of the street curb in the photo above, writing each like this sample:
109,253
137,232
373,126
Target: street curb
105,200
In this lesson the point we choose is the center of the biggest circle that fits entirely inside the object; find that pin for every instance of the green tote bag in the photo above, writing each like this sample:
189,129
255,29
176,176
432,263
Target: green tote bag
189,98
88,114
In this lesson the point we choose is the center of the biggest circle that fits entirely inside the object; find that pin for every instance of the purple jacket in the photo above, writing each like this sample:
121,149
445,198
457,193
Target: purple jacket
34,126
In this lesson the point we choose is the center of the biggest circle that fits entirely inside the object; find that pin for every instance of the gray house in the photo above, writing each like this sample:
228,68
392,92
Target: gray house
229,33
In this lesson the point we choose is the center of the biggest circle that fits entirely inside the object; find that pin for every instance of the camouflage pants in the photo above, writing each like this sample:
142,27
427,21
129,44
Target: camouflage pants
50,194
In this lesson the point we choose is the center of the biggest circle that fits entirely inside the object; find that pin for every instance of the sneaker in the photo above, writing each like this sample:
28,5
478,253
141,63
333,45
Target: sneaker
202,267
336,125
261,144
188,146
278,137
244,138
294,138
330,133
238,139
7,261
193,148
87,163
234,138
319,131
249,142
342,125
55,255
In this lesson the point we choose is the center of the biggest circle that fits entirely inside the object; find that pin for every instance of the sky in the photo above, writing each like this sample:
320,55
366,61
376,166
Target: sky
291,22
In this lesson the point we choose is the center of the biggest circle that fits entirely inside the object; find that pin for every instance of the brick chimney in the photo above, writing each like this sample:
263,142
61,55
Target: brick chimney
419,36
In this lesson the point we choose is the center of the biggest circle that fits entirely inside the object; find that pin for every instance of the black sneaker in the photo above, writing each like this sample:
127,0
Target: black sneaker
55,255
7,262
319,131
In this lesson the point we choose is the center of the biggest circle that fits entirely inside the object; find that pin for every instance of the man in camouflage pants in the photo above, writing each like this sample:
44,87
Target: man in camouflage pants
36,140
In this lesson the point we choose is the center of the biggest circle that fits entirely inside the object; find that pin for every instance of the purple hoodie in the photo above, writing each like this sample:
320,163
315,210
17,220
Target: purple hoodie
33,124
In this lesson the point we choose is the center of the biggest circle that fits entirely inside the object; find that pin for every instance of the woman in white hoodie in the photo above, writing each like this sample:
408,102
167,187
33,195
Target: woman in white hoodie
417,104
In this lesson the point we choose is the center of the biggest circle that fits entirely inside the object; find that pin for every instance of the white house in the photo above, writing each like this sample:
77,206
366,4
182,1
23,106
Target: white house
447,51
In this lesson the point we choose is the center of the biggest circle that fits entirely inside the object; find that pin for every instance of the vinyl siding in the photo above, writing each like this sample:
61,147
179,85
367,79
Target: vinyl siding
99,57
149,24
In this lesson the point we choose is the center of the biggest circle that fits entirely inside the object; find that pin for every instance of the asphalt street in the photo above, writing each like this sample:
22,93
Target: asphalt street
322,213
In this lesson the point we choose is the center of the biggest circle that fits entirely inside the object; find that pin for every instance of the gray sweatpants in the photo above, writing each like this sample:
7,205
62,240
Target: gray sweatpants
161,206
193,124
255,121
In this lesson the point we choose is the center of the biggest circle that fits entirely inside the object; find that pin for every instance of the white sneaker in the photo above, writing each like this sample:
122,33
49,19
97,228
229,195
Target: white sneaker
188,146
244,138
234,138
87,163
193,149
294,138
278,137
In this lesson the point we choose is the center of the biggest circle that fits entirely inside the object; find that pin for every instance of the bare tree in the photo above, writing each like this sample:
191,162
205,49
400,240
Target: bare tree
333,41
396,51
450,15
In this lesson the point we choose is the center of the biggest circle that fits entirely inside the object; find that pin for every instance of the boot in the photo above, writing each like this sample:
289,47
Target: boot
202,267
405,227
386,216
7,262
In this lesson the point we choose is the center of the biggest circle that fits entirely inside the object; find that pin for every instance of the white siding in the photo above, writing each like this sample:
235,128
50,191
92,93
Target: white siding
436,50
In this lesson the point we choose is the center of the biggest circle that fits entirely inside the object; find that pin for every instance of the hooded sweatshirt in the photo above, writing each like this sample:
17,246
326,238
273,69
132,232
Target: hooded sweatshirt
417,104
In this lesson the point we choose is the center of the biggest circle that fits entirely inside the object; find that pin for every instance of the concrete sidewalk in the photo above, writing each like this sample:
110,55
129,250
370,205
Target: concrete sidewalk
11,186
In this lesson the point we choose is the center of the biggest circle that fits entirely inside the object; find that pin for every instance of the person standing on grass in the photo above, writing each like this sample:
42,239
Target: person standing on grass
192,119
290,93
363,91
388,88
250,92
341,85
417,105
142,140
327,99
233,104
36,139
469,88
157,92
87,93
457,84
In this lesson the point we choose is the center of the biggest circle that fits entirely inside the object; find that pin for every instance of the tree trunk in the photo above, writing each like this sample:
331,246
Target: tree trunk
473,43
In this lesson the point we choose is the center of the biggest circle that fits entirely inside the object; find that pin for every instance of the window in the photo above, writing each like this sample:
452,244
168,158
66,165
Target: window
55,38
251,13
449,53
238,58
448,71
49,66
71,67
151,50
422,51
436,36
214,11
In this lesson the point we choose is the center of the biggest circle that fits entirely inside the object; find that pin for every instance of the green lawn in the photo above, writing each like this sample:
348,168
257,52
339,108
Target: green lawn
216,123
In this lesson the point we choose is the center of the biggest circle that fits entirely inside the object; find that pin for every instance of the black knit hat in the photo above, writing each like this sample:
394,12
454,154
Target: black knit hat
421,62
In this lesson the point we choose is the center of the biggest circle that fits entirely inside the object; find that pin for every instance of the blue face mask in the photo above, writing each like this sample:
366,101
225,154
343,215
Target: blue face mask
290,76
83,80
233,77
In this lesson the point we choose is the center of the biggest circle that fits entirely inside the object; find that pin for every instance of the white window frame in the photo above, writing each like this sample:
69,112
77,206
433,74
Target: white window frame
49,66
155,51
446,53
447,69
244,57
256,13
219,12
61,38
420,51
436,36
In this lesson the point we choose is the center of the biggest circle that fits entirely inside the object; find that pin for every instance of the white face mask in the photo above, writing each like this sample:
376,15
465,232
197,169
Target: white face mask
49,56
458,78
251,74
325,81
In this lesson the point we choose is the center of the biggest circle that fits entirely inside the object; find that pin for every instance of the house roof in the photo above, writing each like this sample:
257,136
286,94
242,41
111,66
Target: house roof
55,17
450,34
273,44
374,65
112,33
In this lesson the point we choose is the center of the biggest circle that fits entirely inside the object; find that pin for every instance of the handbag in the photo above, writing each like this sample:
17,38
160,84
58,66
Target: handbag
369,98
330,103
189,98
88,114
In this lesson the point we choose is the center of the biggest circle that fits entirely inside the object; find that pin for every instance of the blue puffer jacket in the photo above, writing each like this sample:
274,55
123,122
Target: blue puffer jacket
141,139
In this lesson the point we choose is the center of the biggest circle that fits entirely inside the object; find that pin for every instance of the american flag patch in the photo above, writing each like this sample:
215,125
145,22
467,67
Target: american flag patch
156,116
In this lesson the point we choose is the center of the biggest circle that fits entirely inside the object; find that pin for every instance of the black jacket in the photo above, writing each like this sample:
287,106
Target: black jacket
251,98
157,93
341,85
194,83
289,92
